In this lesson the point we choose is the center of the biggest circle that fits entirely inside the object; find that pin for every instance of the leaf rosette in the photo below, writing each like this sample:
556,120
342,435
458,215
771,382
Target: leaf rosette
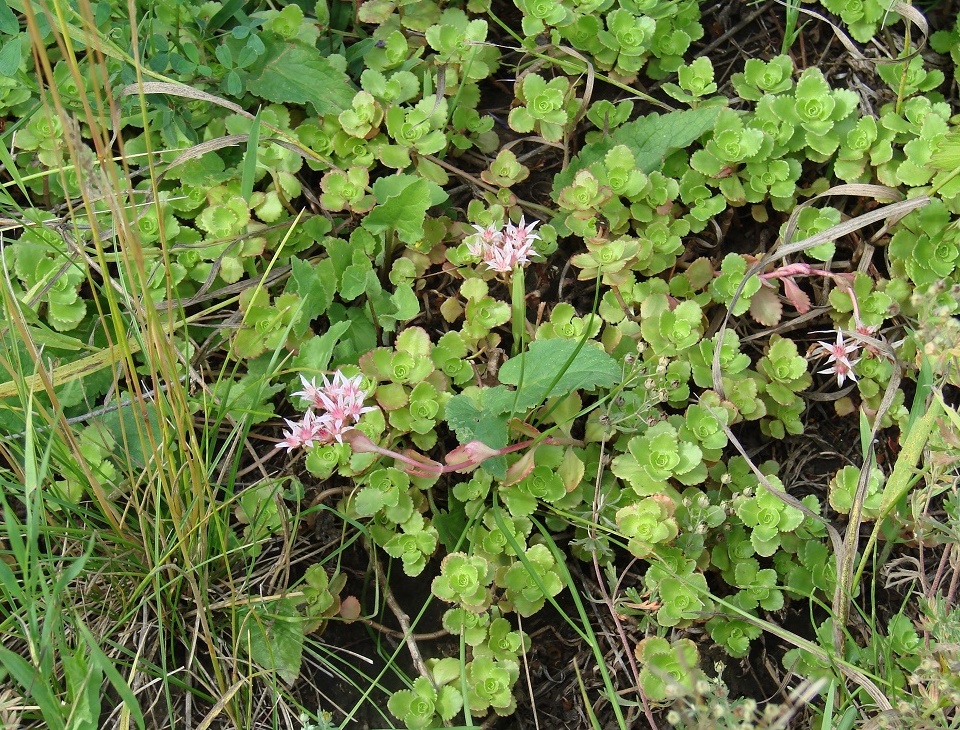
490,684
655,457
768,516
665,666
464,579
670,331
423,705
647,523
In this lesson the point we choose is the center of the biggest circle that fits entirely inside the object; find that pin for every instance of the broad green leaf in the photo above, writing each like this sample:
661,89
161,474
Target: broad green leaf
247,399
550,367
360,338
359,279
650,138
126,425
451,523
402,204
205,171
473,418
393,185
946,155
340,253
9,25
406,303
257,508
315,354
11,53
290,72
272,636
316,284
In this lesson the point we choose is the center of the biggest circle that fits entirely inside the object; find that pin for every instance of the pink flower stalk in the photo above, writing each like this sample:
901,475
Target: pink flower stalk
340,403
504,250
798,298
839,354
462,459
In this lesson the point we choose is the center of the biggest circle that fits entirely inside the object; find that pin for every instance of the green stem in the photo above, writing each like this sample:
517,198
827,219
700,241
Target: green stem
902,90
518,309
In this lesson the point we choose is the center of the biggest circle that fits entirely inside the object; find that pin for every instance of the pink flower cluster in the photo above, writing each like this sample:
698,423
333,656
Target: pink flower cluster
839,354
503,250
333,408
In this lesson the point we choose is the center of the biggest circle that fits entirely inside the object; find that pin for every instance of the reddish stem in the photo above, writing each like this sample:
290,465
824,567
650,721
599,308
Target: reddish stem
419,465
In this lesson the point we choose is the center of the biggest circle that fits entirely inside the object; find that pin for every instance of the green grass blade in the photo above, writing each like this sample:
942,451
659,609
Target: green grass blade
586,632
250,159
34,686
103,663
227,11
6,159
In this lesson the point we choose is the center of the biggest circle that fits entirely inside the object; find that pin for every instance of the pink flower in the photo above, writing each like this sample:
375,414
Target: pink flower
478,242
839,353
306,432
502,251
310,390
342,399
521,235
340,405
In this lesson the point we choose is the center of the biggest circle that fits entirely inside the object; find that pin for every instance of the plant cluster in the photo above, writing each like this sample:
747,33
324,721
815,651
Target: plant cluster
304,171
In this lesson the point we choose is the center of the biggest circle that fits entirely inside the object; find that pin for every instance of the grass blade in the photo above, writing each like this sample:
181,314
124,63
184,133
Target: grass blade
250,160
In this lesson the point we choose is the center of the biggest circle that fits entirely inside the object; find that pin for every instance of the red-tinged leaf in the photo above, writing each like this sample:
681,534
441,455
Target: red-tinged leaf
350,609
796,296
523,428
700,273
765,307
520,469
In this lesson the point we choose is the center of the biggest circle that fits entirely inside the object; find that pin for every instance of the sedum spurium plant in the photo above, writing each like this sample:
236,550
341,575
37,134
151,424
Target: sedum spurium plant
335,205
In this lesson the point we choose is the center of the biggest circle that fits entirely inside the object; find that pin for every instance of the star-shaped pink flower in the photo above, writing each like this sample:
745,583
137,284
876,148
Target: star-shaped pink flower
333,408
839,354
504,250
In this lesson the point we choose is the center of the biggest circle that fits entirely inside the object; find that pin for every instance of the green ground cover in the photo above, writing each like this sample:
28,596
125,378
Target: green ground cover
479,364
